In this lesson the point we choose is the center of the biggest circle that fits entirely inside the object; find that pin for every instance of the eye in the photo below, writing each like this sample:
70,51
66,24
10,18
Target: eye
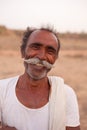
51,51
35,46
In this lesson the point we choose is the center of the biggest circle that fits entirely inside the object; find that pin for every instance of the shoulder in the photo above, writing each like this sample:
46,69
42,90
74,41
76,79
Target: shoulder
55,80
69,91
71,97
6,83
72,110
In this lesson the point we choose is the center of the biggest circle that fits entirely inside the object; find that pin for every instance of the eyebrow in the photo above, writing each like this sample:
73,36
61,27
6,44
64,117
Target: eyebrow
52,48
40,44
36,43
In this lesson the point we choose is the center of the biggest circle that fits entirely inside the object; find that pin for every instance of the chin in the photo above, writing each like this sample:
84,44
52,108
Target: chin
37,77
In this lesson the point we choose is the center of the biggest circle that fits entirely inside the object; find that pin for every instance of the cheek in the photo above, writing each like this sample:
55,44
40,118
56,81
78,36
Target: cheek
29,53
52,59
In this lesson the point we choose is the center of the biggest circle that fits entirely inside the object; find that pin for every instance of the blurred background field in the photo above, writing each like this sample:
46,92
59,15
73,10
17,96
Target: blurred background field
71,64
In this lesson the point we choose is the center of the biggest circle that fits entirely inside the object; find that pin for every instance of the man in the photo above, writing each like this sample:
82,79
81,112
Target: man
35,101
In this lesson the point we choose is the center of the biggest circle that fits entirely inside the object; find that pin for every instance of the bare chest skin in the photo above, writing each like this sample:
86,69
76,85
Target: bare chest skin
33,96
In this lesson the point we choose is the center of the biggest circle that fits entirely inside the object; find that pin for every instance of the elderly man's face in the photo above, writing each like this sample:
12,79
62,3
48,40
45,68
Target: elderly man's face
42,45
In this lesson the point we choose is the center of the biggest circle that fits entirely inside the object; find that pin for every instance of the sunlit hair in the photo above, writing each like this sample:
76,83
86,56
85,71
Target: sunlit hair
29,31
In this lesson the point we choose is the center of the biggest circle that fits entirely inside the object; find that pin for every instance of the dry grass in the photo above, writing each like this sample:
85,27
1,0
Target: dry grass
71,65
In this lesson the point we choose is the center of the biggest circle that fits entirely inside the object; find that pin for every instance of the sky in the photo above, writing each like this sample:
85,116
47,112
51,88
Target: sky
64,15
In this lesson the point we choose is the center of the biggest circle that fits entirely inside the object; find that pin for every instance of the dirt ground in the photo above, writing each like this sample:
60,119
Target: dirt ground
71,65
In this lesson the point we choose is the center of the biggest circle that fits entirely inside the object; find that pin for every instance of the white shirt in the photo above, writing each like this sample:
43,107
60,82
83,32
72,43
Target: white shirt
19,116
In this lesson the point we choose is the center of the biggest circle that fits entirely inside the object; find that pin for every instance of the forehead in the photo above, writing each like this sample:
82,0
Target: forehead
44,37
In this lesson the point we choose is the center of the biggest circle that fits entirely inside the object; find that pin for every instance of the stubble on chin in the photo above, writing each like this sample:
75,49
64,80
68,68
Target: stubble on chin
35,75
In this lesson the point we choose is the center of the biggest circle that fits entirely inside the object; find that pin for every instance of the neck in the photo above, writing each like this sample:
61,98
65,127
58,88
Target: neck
29,83
33,93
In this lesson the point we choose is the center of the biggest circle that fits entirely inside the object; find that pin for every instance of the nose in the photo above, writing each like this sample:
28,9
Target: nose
42,55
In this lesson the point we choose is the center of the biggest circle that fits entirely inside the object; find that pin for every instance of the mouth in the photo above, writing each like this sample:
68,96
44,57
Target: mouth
40,65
